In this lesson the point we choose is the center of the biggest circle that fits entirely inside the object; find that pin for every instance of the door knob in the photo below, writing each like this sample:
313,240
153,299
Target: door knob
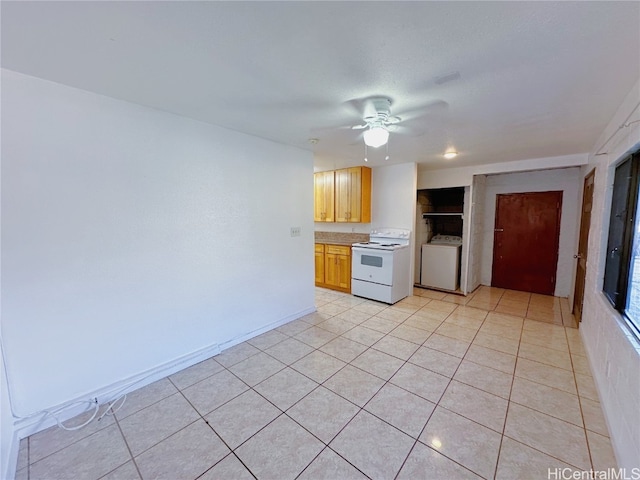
499,230
578,255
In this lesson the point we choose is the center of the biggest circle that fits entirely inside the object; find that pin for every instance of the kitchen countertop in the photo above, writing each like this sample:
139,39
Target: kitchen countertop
340,238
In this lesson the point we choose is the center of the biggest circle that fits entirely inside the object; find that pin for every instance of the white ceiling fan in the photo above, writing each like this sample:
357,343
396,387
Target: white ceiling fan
378,123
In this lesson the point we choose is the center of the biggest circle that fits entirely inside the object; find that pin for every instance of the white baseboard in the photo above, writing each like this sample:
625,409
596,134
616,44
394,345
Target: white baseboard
266,328
25,427
34,424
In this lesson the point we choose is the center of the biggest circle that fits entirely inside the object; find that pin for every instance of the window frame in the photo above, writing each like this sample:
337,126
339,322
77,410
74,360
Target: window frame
626,256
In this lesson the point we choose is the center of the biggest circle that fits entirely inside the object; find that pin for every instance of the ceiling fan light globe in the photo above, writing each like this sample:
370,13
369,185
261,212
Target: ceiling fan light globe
376,137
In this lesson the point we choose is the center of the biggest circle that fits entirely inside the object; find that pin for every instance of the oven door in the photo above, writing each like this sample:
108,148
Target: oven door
371,265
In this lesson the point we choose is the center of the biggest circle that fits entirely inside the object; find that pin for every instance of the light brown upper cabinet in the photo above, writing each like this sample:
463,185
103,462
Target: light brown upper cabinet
323,196
352,192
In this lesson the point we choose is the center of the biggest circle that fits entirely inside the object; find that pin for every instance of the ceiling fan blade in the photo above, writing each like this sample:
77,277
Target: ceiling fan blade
355,106
432,107
324,130
405,130
359,127
358,140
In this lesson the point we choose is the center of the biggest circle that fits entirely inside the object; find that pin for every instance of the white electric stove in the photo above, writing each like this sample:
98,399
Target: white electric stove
380,268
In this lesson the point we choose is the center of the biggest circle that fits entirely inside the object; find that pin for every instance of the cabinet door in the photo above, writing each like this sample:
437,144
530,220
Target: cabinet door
323,196
353,194
345,179
338,267
344,272
331,270
319,253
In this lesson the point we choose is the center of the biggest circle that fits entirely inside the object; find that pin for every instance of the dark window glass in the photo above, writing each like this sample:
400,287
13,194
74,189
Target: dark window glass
622,267
617,228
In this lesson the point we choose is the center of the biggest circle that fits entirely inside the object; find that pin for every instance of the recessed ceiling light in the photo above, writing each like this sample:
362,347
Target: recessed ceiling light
451,154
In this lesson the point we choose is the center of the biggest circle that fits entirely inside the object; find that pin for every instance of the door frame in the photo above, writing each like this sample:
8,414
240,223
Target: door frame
498,229
583,246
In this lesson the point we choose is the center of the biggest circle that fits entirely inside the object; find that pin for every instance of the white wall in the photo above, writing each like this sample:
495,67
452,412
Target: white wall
477,264
8,438
476,225
393,197
613,352
132,238
393,201
463,176
567,180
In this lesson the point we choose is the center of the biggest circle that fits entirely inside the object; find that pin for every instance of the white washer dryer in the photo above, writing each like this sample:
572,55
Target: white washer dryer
441,262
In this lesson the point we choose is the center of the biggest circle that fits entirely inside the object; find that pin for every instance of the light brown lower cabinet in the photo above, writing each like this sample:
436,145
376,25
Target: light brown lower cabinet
319,263
333,267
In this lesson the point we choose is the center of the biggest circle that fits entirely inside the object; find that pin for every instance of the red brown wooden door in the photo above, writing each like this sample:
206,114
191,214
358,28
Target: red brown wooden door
585,223
526,240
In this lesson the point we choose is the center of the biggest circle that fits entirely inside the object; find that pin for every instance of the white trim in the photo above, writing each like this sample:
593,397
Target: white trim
38,422
266,328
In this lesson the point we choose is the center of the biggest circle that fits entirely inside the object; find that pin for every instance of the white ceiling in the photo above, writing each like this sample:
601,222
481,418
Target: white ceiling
537,79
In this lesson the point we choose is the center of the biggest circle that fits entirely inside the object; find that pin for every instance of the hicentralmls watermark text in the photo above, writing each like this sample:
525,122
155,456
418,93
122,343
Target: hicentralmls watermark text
608,474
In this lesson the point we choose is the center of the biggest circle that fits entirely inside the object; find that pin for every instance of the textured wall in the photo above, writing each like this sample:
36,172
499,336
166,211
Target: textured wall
613,352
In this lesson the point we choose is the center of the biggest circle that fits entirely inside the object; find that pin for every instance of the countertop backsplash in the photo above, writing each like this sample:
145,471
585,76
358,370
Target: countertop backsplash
340,238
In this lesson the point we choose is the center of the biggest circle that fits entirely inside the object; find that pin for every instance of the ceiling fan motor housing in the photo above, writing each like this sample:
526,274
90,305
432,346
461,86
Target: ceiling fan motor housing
381,107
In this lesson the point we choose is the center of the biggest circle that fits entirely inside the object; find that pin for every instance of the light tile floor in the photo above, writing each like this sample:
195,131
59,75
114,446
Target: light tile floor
493,385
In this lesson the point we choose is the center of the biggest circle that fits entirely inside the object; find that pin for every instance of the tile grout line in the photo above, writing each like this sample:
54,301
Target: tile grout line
535,410
584,423
386,382
405,362
506,415
64,447
362,408
231,450
436,404
133,458
283,412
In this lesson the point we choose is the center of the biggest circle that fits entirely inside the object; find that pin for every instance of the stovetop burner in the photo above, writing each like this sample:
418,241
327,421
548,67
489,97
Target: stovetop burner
389,244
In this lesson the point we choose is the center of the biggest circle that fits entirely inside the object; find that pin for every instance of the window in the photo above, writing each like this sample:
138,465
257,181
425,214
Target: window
622,267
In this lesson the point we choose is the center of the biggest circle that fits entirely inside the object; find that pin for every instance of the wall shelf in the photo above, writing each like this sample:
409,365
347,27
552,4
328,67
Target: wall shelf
442,214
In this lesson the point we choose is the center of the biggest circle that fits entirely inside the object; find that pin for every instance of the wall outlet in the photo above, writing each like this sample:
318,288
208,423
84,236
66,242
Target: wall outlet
295,231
